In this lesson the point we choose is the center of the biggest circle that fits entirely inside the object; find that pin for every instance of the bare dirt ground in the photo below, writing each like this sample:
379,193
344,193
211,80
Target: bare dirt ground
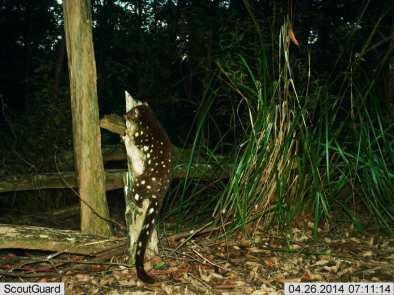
260,264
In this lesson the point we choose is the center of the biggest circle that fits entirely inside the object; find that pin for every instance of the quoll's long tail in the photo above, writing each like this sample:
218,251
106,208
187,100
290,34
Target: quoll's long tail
143,239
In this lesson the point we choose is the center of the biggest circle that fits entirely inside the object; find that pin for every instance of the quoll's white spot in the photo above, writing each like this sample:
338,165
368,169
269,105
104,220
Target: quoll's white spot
145,148
142,182
148,187
140,244
149,161
164,166
148,155
156,164
161,143
162,162
139,252
151,169
147,232
136,197
142,132
153,178
154,196
161,152
153,221
136,134
151,210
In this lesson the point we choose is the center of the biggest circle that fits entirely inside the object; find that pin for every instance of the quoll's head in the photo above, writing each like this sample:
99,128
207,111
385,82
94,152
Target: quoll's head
138,114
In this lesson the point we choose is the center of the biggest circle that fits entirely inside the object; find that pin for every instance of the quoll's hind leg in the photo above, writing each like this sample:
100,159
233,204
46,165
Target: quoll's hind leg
137,194
136,197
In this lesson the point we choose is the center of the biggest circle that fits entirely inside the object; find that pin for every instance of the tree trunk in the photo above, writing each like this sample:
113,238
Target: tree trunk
88,159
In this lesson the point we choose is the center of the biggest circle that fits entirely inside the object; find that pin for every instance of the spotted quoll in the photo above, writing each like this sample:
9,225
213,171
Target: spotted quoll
151,162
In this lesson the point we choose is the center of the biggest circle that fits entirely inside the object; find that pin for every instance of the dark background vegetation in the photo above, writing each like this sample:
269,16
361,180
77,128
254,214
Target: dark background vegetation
190,60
